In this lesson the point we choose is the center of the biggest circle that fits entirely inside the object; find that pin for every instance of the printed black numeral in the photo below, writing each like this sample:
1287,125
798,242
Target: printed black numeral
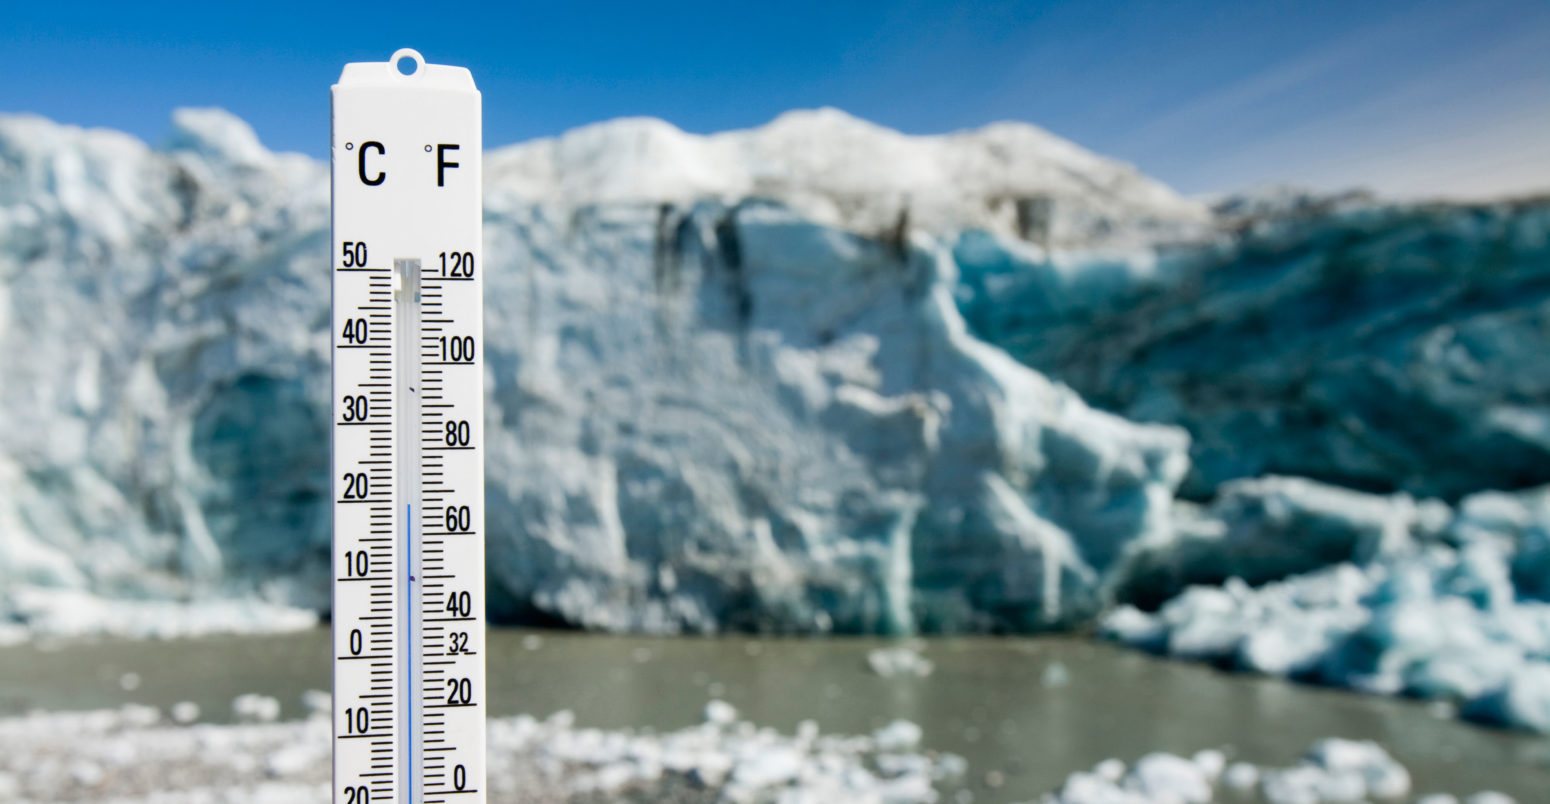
457,264
356,331
357,720
457,349
356,408
356,485
353,255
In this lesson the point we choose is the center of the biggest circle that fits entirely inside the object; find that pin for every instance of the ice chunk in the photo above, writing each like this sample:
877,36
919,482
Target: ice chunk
1111,769
1164,777
1211,762
899,735
1380,775
1523,701
720,713
185,712
255,707
899,662
1241,777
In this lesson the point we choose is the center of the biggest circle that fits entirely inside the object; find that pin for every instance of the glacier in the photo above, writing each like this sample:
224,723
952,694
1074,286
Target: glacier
812,377
1379,346
712,406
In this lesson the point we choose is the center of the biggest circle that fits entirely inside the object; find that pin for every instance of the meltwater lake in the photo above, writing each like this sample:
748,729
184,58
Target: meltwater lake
1024,712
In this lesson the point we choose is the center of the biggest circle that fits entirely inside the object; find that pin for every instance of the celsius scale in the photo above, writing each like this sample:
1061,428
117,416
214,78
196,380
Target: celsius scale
408,457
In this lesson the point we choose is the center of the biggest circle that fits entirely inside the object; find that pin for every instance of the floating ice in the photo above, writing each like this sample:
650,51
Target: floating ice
1434,614
184,712
899,735
255,707
1164,776
125,756
720,713
1334,771
900,662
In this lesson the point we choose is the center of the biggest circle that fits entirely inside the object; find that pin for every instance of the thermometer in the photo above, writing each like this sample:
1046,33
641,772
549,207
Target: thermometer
408,458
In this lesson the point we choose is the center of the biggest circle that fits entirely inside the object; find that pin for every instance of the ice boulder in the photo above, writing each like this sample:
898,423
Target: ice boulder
1517,523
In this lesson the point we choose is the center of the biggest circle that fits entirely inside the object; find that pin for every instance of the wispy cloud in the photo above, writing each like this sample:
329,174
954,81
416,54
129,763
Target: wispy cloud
1450,102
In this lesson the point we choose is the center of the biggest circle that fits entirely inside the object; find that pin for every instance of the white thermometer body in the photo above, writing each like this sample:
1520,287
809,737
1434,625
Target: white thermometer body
408,458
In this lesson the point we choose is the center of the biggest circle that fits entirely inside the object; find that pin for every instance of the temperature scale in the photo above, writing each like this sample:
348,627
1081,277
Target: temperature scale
408,460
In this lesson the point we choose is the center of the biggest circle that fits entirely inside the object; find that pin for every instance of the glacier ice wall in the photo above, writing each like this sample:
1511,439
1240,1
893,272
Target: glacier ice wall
1380,347
737,415
160,350
710,414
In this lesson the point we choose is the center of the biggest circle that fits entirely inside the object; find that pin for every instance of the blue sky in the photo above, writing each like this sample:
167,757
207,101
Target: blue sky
1413,98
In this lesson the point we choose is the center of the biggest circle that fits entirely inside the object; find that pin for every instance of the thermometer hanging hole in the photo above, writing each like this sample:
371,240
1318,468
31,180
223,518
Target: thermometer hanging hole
407,61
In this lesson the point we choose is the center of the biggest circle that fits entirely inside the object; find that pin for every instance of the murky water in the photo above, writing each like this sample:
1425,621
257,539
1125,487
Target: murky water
986,700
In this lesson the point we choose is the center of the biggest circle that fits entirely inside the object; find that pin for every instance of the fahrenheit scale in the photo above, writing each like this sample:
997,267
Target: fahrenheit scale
408,460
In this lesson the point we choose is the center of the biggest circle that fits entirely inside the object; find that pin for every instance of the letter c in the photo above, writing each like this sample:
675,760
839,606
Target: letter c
381,174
